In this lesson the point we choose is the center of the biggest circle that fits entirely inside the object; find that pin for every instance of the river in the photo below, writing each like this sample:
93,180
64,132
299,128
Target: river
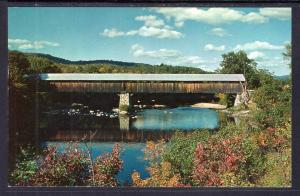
59,127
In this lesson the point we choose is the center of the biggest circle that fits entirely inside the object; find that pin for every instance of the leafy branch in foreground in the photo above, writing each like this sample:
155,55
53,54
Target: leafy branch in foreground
68,168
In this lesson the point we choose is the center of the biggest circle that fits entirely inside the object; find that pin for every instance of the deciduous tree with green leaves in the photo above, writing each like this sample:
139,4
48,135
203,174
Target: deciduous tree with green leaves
42,65
239,63
18,67
287,54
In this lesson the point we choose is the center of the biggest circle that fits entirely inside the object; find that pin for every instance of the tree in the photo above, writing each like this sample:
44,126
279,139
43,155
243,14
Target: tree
21,97
239,63
287,54
18,67
273,102
42,65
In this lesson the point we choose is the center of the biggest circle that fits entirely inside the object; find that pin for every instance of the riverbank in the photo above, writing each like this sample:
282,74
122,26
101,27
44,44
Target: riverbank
240,111
209,105
237,113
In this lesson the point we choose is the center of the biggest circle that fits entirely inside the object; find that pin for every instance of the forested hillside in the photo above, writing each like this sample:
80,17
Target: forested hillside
49,64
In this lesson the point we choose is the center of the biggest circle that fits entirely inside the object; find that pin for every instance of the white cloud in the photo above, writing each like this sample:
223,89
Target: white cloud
112,33
159,33
131,33
179,24
275,63
23,44
271,62
41,44
258,45
151,21
219,32
189,60
252,17
144,31
279,13
136,47
139,51
217,16
27,46
256,55
153,27
169,56
212,16
211,47
18,41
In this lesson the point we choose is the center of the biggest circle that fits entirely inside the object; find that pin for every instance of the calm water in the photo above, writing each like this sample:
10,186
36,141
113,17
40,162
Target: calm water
132,131
183,118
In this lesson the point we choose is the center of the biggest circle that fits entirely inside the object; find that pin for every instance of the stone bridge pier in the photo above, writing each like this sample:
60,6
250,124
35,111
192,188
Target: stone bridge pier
124,121
243,97
125,102
239,99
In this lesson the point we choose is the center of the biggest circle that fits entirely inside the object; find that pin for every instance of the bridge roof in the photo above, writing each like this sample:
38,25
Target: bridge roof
143,77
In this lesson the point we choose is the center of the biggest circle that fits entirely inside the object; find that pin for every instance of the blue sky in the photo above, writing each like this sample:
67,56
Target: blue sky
178,36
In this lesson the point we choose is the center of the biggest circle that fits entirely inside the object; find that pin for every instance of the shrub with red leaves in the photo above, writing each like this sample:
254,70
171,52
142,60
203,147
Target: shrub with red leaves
72,167
274,139
107,167
214,159
69,168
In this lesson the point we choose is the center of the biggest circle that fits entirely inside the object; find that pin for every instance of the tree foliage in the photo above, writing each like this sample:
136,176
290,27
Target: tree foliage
287,54
107,167
239,63
211,165
273,101
18,67
42,65
192,160
68,168
21,96
161,172
50,64
109,68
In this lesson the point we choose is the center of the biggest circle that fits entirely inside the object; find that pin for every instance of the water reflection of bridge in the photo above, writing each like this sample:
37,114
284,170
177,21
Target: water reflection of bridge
105,135
149,124
59,128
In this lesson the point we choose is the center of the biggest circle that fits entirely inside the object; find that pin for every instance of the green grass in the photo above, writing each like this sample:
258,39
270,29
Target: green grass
279,172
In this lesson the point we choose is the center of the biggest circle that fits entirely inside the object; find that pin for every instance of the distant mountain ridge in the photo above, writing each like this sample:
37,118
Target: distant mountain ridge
59,60
41,62
283,77
81,62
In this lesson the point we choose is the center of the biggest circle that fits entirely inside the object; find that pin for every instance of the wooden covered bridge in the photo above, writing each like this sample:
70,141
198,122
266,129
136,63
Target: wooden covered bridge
126,84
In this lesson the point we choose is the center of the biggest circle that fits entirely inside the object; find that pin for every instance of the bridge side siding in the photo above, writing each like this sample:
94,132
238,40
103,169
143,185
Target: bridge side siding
146,87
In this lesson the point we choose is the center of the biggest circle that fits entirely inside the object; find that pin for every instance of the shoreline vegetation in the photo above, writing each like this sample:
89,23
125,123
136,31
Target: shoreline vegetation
256,152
